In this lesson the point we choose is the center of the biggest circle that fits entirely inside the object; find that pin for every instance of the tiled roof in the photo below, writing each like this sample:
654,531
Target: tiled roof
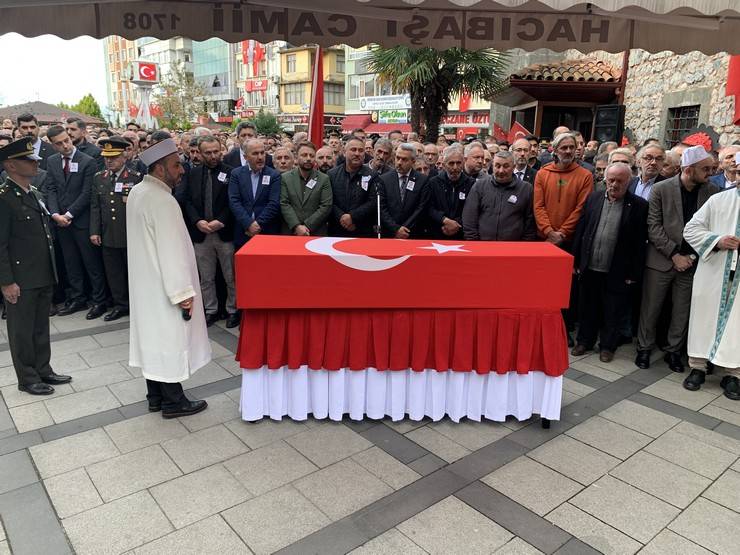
588,70
45,113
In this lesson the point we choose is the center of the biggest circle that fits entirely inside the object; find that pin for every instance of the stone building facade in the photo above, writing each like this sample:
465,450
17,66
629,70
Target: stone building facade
664,86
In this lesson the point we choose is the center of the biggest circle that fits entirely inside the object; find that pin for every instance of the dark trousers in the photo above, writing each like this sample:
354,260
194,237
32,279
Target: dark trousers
80,258
28,334
115,262
169,394
601,311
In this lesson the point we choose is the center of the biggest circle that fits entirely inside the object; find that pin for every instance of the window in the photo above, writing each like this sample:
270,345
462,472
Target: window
361,85
263,68
680,120
290,63
340,64
333,94
295,93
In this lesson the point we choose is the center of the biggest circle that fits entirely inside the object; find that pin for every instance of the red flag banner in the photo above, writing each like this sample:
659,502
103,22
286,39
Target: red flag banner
498,132
733,85
465,99
316,115
517,131
257,57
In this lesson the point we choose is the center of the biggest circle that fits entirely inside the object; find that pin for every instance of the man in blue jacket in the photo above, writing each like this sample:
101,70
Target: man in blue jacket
254,196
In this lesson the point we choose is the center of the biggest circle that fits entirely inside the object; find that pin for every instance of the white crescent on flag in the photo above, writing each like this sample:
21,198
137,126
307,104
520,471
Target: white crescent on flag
147,71
325,246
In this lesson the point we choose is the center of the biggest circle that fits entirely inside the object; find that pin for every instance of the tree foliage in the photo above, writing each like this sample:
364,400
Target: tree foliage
266,123
432,77
87,105
180,97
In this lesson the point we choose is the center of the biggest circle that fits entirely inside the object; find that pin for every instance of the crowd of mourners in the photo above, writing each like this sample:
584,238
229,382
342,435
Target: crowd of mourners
621,211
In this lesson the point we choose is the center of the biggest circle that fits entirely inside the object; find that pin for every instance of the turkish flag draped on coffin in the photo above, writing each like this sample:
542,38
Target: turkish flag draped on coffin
330,303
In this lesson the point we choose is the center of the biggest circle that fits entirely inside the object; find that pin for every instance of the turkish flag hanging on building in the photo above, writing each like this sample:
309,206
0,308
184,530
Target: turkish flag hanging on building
316,115
498,132
465,99
257,57
517,131
733,85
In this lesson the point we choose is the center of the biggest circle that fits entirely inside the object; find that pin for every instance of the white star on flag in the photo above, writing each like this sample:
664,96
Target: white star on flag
441,249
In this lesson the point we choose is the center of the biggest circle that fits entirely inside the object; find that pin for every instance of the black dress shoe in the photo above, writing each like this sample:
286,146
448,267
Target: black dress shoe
155,407
731,387
694,380
185,409
71,308
579,350
56,379
674,362
95,312
115,314
53,310
36,389
211,319
642,360
233,320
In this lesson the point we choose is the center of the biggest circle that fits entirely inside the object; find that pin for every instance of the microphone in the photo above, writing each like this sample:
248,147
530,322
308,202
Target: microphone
186,314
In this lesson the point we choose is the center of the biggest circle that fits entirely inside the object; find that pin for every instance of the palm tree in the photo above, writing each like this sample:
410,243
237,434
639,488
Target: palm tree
432,77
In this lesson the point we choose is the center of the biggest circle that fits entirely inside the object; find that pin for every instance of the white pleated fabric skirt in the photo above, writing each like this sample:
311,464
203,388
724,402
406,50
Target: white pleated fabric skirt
276,393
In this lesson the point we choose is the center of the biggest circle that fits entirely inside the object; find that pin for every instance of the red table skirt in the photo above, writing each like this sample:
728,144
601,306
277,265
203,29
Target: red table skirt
480,340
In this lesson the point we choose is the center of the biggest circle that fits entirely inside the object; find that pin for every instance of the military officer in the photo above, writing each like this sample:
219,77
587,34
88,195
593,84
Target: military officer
27,270
110,191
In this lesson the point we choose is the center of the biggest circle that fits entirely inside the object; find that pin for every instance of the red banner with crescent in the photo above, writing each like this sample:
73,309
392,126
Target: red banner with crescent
372,273
517,131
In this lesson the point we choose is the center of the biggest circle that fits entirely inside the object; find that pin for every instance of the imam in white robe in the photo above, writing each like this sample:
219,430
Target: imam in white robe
162,273
714,325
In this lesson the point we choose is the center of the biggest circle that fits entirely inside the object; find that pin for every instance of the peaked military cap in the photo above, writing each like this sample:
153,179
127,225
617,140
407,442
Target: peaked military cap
113,146
20,149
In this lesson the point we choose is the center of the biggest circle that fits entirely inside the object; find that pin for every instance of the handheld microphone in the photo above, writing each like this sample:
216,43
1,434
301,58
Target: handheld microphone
186,314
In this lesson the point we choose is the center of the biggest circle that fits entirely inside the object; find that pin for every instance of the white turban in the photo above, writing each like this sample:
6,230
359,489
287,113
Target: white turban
693,155
158,151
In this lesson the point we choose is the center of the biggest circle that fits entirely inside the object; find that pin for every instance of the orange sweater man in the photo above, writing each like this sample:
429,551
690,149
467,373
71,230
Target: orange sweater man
560,191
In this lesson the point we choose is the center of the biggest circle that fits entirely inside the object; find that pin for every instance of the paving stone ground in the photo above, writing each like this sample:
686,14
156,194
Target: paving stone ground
636,464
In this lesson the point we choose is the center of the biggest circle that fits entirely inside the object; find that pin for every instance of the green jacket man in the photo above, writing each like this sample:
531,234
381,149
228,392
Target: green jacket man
305,196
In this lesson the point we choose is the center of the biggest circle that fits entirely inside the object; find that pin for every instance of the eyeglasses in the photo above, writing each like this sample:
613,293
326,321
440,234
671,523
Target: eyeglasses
649,158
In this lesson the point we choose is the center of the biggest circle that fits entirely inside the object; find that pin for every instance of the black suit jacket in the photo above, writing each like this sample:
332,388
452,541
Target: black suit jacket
233,159
354,199
93,151
193,195
628,260
408,213
440,206
529,175
71,193
45,151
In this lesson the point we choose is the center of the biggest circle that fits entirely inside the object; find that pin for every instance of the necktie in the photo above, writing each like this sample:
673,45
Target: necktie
402,185
520,175
208,197
66,166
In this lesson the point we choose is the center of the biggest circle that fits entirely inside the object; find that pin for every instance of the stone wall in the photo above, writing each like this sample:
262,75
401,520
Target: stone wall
657,82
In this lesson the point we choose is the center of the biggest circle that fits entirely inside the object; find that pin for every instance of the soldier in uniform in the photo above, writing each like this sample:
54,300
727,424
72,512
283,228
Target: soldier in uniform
27,269
108,219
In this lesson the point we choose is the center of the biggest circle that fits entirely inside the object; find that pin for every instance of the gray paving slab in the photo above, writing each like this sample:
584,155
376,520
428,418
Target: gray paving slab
211,536
577,547
709,525
204,448
30,417
394,443
328,443
338,538
450,524
389,469
16,471
275,520
78,425
590,530
625,508
487,459
65,454
427,464
670,542
532,485
688,452
576,460
640,418
30,522
516,518
20,441
677,411
72,493
391,541
198,495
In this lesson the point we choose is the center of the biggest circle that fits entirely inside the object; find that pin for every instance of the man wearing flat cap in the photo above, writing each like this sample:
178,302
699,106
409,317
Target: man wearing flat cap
27,270
110,191
168,337
671,260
